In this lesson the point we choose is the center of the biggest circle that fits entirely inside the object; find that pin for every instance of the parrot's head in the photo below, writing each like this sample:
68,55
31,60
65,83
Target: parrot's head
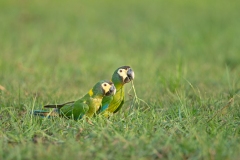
123,75
104,88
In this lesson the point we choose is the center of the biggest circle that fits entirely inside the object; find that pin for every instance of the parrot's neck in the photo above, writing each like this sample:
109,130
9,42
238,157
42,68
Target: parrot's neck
97,96
91,94
118,86
117,82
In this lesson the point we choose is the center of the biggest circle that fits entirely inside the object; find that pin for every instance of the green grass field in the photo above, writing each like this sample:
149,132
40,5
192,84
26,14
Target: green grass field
186,58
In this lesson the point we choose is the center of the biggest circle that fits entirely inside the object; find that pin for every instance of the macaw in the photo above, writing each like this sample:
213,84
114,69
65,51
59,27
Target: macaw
113,104
85,106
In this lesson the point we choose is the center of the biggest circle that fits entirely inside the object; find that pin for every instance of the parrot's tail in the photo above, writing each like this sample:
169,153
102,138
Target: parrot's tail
43,113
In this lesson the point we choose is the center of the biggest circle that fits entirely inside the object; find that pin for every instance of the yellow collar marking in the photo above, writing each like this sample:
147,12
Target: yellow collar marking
90,92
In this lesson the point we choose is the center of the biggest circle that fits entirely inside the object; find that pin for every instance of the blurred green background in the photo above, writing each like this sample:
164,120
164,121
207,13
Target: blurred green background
181,51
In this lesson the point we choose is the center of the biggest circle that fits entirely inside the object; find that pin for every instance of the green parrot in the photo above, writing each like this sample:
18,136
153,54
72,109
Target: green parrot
87,105
113,104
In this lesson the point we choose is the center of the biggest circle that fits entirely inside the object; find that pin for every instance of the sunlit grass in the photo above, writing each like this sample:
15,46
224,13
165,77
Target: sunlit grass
183,104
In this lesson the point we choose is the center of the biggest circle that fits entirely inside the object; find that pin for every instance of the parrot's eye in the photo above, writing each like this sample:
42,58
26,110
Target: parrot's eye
120,70
105,84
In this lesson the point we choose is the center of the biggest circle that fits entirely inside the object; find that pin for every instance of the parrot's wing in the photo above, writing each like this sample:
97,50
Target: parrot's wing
120,106
58,105
74,110
105,103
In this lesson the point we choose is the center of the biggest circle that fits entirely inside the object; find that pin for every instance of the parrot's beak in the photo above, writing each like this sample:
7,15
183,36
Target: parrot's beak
111,91
130,76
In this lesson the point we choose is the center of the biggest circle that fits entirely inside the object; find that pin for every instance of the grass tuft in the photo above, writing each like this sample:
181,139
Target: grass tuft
184,101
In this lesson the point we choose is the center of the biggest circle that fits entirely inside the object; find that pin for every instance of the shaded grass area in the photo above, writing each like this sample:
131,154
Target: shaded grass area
185,56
